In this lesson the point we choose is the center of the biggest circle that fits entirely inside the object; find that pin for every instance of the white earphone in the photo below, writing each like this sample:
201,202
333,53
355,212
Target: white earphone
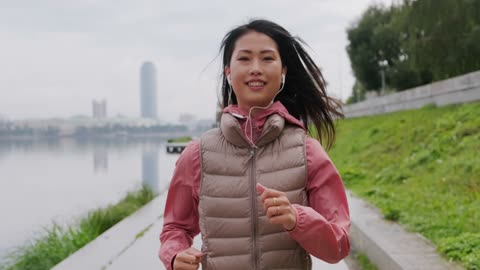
283,78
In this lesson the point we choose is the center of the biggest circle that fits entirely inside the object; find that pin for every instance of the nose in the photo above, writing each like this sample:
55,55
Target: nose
255,68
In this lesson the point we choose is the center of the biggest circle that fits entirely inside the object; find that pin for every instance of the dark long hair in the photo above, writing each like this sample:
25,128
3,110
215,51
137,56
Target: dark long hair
304,94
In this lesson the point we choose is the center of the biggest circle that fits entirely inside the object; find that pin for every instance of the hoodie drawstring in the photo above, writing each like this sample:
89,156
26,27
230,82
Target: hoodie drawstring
249,117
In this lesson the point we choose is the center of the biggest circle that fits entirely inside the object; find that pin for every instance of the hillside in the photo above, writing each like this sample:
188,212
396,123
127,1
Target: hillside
422,169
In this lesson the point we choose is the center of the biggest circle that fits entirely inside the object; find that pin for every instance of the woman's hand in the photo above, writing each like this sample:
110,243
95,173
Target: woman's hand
188,259
278,207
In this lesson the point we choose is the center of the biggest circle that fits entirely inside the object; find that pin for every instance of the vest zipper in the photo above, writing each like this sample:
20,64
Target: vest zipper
254,210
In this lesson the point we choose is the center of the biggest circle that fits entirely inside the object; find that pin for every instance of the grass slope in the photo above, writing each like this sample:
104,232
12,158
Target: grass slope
422,169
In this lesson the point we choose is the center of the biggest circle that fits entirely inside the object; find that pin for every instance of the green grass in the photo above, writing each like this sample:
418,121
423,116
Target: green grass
422,169
365,263
180,140
142,232
56,243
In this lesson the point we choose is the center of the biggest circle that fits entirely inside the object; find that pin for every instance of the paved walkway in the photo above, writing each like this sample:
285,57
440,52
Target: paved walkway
134,243
144,253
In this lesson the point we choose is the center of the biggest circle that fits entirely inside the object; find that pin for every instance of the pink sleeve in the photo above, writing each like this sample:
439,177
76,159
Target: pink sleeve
180,220
322,227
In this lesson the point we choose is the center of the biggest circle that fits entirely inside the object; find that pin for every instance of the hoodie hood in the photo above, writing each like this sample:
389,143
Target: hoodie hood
261,115
251,129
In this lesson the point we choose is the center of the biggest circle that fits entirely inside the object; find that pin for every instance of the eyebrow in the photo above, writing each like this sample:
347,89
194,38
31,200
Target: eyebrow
262,51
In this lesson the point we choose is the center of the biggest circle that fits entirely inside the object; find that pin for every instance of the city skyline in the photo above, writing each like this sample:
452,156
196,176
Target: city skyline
58,56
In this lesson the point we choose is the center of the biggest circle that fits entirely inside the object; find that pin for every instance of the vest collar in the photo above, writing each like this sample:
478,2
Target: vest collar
232,130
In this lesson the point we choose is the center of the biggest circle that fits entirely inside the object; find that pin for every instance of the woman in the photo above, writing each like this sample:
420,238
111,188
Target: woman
263,194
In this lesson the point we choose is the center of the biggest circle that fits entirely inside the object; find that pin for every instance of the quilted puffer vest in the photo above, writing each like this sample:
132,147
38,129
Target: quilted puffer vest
236,233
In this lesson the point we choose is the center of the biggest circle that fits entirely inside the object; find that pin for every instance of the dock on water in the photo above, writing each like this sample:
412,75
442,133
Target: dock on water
176,147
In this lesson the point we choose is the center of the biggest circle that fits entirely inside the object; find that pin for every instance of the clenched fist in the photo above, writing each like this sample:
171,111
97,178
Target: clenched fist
278,207
188,259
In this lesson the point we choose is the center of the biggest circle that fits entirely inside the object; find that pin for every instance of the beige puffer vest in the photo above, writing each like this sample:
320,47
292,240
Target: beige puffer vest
236,233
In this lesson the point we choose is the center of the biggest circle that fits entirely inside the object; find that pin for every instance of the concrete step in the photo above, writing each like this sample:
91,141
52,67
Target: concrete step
387,244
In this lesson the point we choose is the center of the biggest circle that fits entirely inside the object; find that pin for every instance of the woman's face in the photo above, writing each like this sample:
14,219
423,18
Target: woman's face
255,70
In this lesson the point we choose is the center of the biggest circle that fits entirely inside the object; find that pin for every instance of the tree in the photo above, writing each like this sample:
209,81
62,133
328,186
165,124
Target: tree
358,93
375,46
414,43
444,36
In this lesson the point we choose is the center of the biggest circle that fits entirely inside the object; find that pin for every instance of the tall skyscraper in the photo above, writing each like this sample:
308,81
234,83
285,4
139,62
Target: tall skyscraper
99,109
148,91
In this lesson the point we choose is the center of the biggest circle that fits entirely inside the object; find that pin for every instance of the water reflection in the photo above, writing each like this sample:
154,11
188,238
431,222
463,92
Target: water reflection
100,159
61,180
150,167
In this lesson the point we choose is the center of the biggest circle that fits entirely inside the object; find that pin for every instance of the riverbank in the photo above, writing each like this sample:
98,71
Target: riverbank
57,243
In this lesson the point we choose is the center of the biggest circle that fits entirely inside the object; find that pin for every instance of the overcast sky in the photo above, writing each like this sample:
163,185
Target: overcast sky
56,56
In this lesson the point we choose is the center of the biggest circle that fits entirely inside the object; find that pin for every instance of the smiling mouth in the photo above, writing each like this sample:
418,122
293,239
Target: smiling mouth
256,85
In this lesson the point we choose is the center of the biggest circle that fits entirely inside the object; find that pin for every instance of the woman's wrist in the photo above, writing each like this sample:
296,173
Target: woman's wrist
293,223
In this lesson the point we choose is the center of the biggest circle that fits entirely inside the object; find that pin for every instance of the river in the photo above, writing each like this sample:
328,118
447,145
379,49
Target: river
59,181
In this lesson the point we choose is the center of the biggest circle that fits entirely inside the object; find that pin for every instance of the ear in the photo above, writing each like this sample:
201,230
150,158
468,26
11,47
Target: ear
226,70
284,70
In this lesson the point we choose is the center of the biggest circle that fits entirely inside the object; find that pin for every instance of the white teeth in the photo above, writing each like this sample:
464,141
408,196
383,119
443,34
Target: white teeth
256,83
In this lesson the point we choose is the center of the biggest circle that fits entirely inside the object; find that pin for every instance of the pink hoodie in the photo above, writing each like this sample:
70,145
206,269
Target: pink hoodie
322,227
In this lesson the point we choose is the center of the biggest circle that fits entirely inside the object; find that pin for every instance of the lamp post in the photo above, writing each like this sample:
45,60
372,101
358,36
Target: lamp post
383,64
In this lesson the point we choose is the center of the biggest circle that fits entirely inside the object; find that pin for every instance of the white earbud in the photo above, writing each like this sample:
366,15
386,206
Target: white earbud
228,79
283,78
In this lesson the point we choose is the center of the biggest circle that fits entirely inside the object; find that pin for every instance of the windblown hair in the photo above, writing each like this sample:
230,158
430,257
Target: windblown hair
304,94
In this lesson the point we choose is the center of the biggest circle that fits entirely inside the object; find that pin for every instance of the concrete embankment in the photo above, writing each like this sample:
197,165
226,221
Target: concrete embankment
133,243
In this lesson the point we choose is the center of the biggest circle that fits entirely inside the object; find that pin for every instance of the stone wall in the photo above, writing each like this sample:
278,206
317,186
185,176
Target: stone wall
461,89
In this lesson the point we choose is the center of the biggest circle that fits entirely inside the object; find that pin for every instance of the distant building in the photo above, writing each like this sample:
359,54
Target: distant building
203,125
99,109
3,121
218,114
148,91
186,118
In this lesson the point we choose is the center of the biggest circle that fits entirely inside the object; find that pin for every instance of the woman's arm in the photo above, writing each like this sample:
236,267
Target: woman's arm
322,227
180,220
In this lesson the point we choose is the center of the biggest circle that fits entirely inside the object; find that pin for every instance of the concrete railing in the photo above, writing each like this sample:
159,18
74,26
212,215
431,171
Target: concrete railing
461,89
